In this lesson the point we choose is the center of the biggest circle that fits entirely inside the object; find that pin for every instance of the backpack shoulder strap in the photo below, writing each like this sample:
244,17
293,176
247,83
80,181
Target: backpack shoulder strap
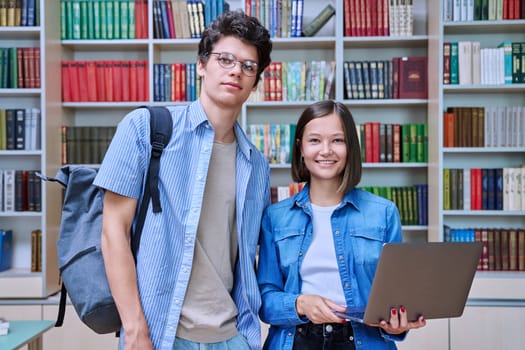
161,127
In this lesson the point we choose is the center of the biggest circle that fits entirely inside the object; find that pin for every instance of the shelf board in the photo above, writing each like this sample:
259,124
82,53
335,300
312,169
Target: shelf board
105,105
386,102
106,45
498,285
483,149
19,33
483,88
19,92
18,153
4,214
480,27
484,213
385,41
326,42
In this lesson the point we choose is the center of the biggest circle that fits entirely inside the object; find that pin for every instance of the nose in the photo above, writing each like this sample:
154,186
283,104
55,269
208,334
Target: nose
327,148
237,67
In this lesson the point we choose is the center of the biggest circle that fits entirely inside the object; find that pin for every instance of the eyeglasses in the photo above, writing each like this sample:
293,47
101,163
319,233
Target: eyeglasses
228,61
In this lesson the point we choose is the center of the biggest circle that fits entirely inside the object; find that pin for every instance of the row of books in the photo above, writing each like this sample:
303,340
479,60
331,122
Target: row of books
19,67
484,189
296,81
85,144
378,17
104,81
176,19
176,82
399,78
503,248
283,18
411,201
393,143
19,13
20,129
103,19
483,10
20,190
6,249
278,193
491,126
275,141
465,63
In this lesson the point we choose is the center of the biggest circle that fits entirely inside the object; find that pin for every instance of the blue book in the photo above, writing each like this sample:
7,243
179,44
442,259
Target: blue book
6,249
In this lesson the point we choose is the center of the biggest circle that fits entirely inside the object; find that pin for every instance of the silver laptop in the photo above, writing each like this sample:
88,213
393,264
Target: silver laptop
431,280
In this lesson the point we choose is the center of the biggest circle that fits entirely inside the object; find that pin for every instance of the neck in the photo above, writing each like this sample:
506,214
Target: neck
325,193
222,119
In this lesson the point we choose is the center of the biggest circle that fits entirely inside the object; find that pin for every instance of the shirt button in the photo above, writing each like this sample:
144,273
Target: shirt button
177,301
341,257
194,210
347,285
337,232
290,334
199,177
359,342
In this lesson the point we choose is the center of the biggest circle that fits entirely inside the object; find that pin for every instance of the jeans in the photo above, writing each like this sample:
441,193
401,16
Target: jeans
236,343
327,336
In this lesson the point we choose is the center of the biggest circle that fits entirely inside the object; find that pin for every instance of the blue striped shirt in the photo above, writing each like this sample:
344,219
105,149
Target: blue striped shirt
165,256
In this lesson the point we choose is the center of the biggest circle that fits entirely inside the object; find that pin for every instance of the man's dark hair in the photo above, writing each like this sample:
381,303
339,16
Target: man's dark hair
243,27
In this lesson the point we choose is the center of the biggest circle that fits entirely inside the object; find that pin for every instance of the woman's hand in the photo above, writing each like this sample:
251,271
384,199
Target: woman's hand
318,309
399,322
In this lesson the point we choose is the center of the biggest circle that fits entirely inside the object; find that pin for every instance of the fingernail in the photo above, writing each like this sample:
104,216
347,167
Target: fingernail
402,309
394,312
343,321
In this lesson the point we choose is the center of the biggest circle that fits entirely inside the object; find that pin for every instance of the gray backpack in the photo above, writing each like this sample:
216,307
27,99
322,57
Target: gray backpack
78,247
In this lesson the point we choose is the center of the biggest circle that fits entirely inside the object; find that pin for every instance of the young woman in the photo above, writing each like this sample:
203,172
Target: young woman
320,248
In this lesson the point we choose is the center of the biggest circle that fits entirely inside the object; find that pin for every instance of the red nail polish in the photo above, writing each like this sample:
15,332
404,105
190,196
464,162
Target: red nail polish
402,309
394,312
343,321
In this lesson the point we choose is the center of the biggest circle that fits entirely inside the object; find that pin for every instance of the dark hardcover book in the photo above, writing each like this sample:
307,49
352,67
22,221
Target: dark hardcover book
521,249
21,190
319,21
10,129
347,83
413,77
388,143
367,85
395,77
374,84
454,63
446,63
380,79
498,181
20,129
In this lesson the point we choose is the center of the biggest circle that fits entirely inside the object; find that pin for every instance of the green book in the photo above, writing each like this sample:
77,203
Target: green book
110,19
83,18
63,20
131,19
405,143
454,63
90,20
97,33
116,19
13,68
124,20
103,19
75,18
319,21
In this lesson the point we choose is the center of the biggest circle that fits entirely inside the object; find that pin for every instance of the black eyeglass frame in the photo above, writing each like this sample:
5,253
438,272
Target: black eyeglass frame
248,67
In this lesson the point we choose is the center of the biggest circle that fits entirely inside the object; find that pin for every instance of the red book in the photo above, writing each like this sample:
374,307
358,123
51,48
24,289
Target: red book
117,80
124,85
171,23
413,77
448,128
368,143
375,142
386,15
30,67
475,189
66,89
101,80
91,81
82,80
446,63
36,55
183,81
141,83
73,81
133,81
174,82
108,74
346,14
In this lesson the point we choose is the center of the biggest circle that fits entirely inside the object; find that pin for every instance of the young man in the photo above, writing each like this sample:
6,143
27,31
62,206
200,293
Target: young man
194,281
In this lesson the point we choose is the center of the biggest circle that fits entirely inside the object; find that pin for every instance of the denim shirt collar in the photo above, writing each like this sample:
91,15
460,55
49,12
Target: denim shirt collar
302,199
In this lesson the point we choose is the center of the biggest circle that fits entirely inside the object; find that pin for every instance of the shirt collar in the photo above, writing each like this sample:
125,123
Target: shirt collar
352,198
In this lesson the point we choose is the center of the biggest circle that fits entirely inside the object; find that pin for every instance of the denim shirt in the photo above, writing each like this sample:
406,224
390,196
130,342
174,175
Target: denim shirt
361,224
165,257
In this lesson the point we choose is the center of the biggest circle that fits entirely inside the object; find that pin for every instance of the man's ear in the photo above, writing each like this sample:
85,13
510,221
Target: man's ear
201,68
